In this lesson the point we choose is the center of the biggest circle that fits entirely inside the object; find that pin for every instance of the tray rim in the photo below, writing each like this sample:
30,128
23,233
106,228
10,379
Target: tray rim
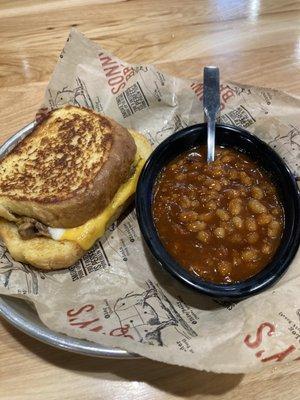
38,330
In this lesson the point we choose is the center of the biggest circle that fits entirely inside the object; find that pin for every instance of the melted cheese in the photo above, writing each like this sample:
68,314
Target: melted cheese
87,234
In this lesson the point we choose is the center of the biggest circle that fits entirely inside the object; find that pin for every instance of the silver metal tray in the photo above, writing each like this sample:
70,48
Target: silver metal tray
22,316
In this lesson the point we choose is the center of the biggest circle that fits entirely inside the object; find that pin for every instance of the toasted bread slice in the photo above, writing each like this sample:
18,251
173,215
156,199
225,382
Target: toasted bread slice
67,170
42,253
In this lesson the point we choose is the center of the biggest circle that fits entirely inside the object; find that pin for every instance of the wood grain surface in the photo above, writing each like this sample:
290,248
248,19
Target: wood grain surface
252,41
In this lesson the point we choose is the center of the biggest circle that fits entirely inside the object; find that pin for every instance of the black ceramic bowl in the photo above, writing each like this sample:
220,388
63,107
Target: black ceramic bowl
239,139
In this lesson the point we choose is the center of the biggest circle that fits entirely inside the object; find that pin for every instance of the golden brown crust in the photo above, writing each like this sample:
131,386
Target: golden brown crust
40,178
42,253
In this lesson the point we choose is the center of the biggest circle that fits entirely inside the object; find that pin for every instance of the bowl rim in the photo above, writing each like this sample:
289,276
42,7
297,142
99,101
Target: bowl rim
259,282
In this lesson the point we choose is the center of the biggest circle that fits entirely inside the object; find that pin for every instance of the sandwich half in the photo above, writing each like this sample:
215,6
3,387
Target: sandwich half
65,183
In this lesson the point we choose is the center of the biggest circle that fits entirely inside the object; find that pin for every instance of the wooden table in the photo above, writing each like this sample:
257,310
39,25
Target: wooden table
253,41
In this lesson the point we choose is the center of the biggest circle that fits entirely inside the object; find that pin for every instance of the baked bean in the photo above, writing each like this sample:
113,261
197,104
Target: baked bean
196,226
236,238
216,173
219,232
227,159
257,193
264,219
270,189
251,224
222,214
252,237
195,203
231,193
275,225
203,236
266,249
185,202
245,179
212,205
233,174
213,184
212,194
235,206
222,221
180,177
276,211
237,222
207,182
274,229
188,216
256,206
206,217
224,268
250,255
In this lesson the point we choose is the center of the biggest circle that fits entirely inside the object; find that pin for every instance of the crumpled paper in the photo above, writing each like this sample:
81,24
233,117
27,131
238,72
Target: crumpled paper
116,295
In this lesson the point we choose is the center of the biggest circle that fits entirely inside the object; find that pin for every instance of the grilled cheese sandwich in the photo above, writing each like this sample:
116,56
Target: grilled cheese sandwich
80,169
